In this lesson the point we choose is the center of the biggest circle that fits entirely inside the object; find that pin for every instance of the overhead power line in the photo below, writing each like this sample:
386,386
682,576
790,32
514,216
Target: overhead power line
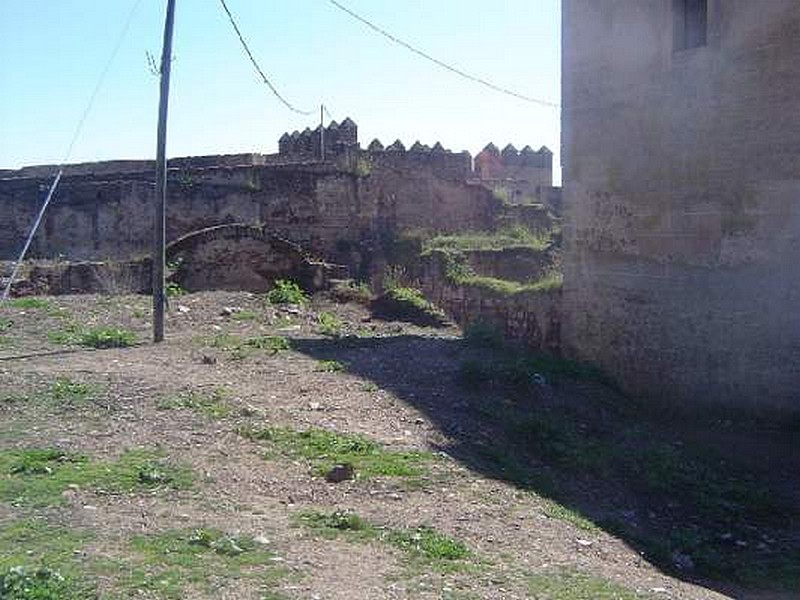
260,71
60,172
441,63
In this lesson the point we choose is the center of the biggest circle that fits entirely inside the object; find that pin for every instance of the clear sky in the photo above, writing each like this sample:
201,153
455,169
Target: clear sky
53,51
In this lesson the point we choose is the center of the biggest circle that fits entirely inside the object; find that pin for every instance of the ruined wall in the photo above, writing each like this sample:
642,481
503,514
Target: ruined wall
682,199
331,212
531,318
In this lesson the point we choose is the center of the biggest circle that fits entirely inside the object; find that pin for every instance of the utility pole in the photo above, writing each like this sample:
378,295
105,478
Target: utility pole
322,132
160,220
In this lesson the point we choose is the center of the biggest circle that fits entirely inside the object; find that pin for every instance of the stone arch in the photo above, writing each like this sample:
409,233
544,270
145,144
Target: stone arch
238,256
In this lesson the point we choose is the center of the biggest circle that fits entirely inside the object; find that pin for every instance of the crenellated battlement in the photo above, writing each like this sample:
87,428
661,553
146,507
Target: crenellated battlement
340,142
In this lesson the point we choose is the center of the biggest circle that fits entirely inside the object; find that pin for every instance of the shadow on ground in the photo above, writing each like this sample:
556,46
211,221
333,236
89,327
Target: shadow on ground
713,499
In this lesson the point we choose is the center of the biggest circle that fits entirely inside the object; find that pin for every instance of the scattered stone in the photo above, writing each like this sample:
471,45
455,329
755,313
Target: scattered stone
659,590
227,311
183,309
208,360
339,473
315,406
584,543
261,539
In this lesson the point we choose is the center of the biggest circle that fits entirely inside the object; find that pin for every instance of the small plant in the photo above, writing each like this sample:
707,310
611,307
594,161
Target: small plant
428,544
39,476
352,291
286,292
244,315
571,585
554,510
30,303
212,404
5,324
19,583
330,366
273,344
330,324
337,523
174,289
107,337
67,391
395,276
324,449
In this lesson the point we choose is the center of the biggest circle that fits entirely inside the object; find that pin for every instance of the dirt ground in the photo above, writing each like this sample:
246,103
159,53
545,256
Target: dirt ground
551,525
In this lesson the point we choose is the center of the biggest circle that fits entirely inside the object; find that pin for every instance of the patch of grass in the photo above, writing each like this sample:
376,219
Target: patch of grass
107,337
212,404
370,387
96,337
39,476
352,291
408,304
332,525
330,366
30,303
240,348
429,545
572,585
287,292
554,510
244,315
67,391
324,449
517,236
38,561
174,290
506,287
173,563
330,324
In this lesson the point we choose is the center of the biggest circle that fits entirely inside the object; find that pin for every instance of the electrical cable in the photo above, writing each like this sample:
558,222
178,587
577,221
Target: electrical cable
441,63
65,160
264,78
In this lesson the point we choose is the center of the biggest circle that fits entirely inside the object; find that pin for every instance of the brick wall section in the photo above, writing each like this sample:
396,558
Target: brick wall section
682,199
530,318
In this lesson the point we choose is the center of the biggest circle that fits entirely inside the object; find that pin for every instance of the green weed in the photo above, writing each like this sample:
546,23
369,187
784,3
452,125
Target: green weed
67,391
352,291
428,544
338,523
38,562
287,292
212,403
517,236
98,337
324,449
174,290
330,366
39,476
554,510
330,324
244,315
240,348
30,303
571,585
172,563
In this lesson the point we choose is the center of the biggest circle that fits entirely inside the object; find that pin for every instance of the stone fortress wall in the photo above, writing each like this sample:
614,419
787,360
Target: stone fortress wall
342,208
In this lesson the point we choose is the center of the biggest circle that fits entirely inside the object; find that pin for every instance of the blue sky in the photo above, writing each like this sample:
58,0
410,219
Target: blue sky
53,51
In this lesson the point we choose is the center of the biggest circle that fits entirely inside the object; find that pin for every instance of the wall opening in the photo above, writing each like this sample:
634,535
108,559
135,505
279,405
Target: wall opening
690,23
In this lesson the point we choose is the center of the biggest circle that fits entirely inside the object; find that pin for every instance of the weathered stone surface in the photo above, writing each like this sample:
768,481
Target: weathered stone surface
682,199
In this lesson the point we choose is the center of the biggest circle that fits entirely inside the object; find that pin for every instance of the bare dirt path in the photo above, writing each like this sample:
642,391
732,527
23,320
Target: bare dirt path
435,509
